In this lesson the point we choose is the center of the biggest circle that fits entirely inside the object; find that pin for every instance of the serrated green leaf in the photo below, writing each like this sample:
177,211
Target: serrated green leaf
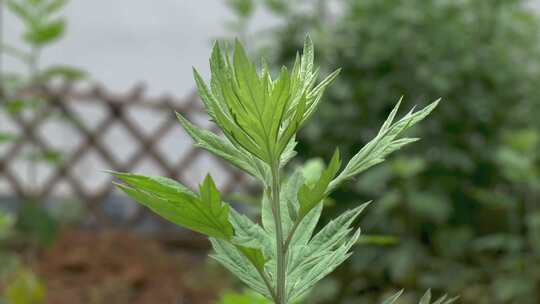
393,298
241,94
293,125
444,300
257,113
383,144
310,196
314,270
255,256
324,242
441,300
251,235
306,227
426,299
161,186
334,232
289,152
237,263
205,213
329,248
223,148
315,96
209,101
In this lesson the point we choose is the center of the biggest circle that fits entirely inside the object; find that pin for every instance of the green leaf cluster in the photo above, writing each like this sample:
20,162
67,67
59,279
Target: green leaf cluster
204,213
42,26
39,17
284,256
259,114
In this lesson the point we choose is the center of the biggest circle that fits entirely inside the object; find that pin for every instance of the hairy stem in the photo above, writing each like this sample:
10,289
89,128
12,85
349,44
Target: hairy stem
280,249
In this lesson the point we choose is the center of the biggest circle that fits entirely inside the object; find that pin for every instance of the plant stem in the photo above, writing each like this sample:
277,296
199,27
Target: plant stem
280,249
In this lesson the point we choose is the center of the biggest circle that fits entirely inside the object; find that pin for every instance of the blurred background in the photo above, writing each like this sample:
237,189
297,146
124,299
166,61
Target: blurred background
88,86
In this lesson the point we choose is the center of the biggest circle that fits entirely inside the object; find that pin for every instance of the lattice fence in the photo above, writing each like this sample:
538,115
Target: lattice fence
96,130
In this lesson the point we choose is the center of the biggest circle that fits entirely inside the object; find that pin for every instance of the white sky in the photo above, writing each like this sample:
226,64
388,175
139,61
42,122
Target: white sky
122,42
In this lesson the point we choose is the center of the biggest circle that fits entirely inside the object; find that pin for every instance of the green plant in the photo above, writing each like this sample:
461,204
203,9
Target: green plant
41,28
19,92
282,259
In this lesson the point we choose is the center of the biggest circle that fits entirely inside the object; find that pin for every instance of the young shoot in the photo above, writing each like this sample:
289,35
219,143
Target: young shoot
283,257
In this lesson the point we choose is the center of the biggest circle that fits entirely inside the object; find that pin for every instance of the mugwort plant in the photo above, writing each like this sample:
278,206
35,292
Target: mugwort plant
282,258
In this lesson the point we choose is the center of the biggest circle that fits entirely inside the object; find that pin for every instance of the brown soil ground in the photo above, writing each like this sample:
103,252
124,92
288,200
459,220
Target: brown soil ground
122,268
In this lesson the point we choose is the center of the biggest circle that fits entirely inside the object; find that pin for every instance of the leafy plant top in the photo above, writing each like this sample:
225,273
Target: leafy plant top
283,257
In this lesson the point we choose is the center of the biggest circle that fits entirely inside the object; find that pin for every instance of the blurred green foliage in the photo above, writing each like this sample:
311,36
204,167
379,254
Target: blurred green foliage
9,262
25,288
467,211
41,27
35,226
6,225
19,285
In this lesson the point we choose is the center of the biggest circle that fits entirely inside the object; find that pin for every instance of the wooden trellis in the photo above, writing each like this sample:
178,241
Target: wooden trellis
62,100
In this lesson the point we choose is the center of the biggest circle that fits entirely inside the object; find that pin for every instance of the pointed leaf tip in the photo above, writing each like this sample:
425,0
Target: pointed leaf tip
393,298
426,299
308,42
